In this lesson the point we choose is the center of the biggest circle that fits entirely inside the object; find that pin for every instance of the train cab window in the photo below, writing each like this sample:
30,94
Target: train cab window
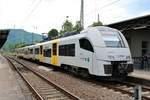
41,48
36,50
85,44
112,39
47,52
55,49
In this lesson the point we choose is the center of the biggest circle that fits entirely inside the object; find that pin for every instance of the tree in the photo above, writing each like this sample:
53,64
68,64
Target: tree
77,27
99,23
53,33
66,27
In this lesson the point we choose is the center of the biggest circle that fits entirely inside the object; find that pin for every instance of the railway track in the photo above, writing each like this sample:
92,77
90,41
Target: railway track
128,88
42,87
123,87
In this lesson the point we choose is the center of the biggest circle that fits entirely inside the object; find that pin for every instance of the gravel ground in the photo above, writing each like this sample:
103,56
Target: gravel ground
85,90
24,88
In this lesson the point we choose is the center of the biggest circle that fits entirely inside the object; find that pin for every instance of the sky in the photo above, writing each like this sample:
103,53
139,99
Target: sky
42,15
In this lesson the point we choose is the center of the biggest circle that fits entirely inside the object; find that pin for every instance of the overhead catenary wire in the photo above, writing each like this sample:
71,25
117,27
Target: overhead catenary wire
98,9
107,5
32,10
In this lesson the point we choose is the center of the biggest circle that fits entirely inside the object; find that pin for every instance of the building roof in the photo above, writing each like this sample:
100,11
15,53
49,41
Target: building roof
135,23
3,36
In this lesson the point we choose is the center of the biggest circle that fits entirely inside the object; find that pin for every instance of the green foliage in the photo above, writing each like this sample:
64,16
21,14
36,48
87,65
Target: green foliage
53,33
99,23
67,27
61,32
77,27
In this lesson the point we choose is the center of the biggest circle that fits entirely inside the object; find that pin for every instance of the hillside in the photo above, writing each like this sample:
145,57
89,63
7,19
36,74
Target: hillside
20,37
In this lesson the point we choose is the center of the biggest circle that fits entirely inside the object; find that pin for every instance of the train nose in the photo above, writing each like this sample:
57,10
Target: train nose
118,57
121,68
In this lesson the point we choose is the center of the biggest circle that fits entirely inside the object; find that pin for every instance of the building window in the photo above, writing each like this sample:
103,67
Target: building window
85,44
47,52
67,50
144,47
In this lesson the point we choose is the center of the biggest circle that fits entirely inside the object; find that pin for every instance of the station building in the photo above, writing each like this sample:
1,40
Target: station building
137,33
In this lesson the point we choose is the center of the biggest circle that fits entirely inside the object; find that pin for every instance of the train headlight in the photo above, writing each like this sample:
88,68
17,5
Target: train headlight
111,57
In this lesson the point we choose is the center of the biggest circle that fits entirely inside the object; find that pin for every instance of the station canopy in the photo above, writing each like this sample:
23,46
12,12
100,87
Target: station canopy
135,23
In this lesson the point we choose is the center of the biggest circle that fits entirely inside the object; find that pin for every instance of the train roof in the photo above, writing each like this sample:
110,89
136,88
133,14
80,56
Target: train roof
74,35
100,28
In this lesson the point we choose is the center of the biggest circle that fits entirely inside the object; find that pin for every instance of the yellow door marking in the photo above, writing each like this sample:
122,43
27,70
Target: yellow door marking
54,58
41,57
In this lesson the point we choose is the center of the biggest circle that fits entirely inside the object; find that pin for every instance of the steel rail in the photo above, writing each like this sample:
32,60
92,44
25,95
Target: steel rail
58,87
38,96
116,88
123,90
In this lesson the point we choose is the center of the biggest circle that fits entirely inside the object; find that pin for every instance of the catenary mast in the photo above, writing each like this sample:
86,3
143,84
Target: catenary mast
82,14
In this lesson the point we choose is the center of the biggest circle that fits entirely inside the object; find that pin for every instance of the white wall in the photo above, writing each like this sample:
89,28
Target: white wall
135,40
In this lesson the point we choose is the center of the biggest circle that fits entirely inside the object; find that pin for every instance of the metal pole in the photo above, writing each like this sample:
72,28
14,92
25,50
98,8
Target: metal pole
137,93
32,35
98,18
82,14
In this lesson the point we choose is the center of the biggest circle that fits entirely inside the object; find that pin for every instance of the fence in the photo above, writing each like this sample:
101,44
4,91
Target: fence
141,63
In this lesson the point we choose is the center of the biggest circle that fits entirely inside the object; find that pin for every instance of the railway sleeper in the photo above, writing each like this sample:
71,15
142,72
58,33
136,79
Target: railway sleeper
52,96
62,98
146,93
48,90
50,93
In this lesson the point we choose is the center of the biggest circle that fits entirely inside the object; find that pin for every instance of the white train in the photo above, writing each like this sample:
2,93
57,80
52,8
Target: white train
100,51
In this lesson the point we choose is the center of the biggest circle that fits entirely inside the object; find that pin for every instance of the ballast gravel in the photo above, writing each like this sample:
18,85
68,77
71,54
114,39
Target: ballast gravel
83,89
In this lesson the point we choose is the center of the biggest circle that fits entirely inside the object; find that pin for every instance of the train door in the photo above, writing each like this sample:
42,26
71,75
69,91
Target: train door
55,53
41,57
86,53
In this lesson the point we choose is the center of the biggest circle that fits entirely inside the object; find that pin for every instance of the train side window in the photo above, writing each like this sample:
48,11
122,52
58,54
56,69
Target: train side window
54,49
71,50
31,51
36,50
62,51
67,50
85,44
47,53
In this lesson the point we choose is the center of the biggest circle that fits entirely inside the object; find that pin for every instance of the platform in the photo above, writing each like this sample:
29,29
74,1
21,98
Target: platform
140,77
141,74
9,88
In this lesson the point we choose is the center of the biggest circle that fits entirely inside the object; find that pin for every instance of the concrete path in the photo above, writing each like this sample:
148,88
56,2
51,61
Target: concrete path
141,74
9,88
